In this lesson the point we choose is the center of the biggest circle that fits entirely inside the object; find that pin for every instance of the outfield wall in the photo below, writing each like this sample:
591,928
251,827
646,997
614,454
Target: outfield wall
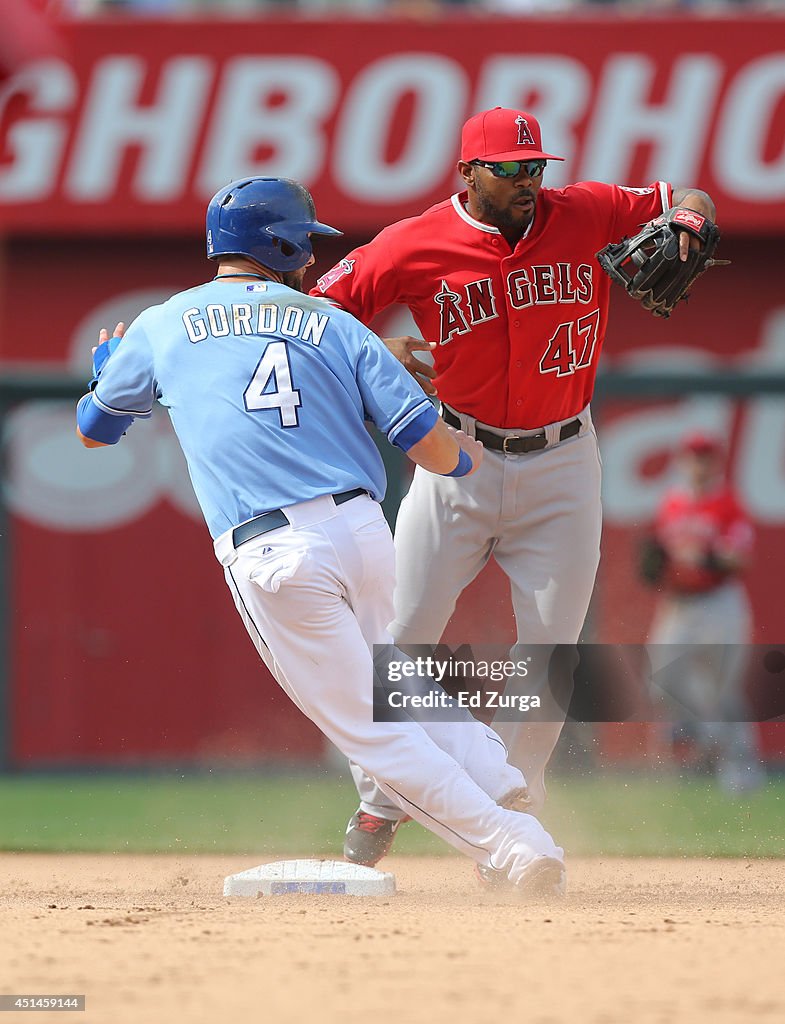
124,646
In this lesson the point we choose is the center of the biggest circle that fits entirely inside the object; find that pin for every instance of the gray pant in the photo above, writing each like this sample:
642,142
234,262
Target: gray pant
539,515
699,656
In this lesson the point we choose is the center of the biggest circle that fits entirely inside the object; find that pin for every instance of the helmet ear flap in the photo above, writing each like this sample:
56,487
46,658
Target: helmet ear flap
285,254
286,248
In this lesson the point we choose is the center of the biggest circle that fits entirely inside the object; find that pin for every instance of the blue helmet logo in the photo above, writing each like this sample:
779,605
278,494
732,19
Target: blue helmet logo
269,220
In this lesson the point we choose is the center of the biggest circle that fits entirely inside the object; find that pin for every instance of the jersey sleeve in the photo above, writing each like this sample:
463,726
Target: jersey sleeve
392,398
636,206
622,209
126,385
366,281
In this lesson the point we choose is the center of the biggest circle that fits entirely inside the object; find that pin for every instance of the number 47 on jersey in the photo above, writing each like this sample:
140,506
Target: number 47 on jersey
572,346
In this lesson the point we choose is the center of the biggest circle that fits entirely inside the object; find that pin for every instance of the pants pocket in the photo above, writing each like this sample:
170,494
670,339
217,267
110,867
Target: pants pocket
270,573
374,526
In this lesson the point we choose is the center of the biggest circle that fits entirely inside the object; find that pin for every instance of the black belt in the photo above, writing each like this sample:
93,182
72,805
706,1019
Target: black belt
513,444
277,518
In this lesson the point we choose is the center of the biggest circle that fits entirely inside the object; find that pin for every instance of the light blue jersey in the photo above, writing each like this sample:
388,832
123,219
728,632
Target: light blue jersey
268,390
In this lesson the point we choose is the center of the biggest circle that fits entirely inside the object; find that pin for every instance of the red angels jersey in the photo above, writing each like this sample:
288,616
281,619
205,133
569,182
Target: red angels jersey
519,331
690,528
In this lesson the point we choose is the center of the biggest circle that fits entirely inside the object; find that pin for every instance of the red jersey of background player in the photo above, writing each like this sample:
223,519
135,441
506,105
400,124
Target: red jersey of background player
693,529
519,331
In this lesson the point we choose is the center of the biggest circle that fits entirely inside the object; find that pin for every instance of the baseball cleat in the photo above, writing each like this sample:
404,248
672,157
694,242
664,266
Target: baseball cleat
544,879
369,838
492,880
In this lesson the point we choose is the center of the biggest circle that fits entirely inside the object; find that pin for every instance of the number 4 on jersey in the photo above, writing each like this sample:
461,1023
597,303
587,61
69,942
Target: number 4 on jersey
560,355
274,364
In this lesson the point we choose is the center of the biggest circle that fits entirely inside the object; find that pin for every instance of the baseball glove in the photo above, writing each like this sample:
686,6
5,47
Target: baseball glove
648,266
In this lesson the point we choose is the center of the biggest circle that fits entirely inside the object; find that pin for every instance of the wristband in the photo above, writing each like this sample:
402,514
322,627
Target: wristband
465,465
99,425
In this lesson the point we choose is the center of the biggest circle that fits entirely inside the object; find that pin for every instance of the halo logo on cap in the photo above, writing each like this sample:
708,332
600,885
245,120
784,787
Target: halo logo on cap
503,134
525,137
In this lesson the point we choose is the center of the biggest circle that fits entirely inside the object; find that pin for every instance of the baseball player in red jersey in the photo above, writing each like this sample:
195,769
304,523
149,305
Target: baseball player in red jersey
700,545
503,284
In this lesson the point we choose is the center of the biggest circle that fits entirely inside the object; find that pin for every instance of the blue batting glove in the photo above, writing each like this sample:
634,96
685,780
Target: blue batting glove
101,354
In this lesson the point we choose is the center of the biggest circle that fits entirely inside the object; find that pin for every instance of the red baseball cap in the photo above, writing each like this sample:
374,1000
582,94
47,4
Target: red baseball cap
502,134
698,443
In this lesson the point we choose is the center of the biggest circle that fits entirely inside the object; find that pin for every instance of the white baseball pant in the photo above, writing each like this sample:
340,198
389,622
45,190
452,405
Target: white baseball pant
540,516
315,596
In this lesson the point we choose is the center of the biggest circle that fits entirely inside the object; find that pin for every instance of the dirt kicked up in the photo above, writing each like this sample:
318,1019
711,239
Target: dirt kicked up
152,939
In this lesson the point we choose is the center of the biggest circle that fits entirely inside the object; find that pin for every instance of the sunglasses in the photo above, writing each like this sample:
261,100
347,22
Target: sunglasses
512,168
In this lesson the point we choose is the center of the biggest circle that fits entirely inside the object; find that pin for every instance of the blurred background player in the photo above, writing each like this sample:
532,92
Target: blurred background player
269,390
502,278
696,555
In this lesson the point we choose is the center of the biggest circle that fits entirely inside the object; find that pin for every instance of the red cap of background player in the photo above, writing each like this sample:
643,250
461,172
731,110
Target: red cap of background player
701,444
502,134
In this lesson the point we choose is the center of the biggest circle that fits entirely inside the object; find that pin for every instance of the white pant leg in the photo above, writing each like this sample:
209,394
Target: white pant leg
296,589
540,515
444,535
476,747
549,547
473,745
549,543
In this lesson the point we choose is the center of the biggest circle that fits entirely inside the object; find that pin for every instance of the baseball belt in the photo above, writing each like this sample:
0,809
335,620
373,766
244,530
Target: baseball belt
275,519
513,444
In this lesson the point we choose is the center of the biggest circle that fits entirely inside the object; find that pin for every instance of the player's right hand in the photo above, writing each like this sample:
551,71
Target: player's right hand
471,446
402,348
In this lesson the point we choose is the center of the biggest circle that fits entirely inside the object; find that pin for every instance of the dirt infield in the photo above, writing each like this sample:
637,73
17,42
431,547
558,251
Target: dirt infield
151,939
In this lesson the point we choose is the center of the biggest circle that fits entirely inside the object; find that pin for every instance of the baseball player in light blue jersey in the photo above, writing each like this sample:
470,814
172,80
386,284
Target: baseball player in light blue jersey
268,390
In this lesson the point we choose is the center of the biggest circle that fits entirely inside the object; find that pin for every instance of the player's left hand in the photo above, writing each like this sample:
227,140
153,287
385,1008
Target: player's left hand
104,349
103,336
660,264
697,202
687,242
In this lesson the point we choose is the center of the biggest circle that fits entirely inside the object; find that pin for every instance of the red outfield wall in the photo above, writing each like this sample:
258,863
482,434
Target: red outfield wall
125,643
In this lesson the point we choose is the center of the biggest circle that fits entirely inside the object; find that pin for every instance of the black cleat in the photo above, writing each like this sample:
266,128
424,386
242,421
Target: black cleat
369,838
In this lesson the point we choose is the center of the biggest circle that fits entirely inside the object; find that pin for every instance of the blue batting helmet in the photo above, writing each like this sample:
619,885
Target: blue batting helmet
266,219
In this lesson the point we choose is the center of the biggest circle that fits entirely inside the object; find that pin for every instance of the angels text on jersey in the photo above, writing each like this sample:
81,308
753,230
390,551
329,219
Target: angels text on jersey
571,347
